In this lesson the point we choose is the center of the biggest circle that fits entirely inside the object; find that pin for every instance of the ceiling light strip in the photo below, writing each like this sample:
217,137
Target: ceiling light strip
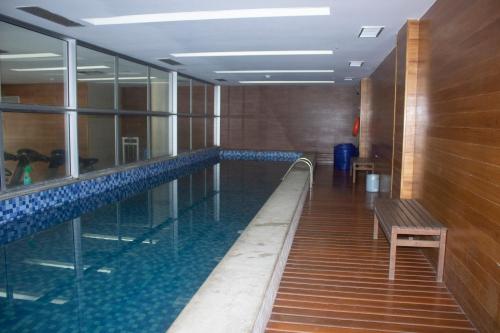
210,15
252,53
27,55
112,78
271,71
287,82
42,69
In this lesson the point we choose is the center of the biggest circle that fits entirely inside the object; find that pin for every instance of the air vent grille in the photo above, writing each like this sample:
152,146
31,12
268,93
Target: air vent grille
2,51
221,80
171,62
47,15
91,72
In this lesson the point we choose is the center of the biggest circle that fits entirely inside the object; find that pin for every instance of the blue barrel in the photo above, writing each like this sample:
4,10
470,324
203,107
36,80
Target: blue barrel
342,154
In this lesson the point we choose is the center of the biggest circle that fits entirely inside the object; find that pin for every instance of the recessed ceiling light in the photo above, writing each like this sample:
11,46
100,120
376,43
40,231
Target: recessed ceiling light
287,82
370,31
42,69
348,78
211,15
252,53
356,63
27,55
276,71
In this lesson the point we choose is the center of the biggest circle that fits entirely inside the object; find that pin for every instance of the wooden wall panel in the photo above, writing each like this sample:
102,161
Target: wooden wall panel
381,127
405,110
457,148
399,111
307,118
365,113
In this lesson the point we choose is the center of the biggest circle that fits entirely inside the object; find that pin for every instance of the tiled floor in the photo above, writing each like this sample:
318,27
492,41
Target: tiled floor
336,275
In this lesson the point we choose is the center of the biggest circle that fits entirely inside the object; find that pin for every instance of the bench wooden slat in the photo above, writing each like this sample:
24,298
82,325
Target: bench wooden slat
416,218
408,218
421,219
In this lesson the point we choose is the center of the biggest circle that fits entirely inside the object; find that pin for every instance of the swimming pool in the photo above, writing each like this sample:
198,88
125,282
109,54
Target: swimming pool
133,264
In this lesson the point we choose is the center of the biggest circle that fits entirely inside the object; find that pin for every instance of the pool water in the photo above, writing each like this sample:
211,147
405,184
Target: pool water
131,265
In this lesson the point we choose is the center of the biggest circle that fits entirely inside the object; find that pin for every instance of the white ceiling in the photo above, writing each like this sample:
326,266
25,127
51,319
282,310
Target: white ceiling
148,42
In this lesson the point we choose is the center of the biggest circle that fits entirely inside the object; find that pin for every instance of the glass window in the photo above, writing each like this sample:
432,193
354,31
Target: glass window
96,142
198,99
183,95
210,100
96,79
159,136
37,152
32,67
198,132
133,82
133,141
210,131
159,90
183,134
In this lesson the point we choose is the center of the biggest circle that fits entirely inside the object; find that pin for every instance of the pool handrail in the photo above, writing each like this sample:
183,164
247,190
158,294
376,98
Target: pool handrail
308,163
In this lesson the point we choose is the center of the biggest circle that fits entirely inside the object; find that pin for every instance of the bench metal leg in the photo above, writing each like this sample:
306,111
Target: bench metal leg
442,249
392,255
375,226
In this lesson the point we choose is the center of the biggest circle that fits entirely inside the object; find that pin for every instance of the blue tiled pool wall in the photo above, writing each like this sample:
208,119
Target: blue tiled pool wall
26,225
37,211
22,206
260,155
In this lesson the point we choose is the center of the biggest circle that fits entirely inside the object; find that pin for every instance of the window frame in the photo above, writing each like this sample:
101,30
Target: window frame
71,110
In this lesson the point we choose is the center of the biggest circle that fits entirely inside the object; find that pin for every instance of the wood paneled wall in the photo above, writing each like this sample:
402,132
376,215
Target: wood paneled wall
365,113
458,121
405,110
379,90
306,118
447,139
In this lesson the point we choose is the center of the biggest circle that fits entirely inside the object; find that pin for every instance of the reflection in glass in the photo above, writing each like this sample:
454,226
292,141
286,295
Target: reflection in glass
210,100
159,136
210,131
198,132
96,79
198,97
133,142
36,153
159,90
133,82
96,142
32,67
183,95
183,134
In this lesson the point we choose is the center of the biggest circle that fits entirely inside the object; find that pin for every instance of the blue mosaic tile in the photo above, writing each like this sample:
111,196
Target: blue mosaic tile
258,155
30,204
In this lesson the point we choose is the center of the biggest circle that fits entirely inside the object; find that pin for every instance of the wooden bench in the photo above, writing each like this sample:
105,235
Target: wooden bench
408,218
360,164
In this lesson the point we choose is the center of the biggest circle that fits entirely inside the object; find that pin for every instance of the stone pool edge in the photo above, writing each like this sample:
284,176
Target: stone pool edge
239,293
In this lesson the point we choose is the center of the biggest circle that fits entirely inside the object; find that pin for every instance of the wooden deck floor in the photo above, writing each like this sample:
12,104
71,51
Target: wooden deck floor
336,276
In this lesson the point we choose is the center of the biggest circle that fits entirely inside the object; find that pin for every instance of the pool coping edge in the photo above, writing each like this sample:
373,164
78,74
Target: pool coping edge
203,313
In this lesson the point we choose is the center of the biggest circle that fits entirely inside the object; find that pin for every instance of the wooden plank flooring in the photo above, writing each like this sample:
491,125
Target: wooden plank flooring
336,275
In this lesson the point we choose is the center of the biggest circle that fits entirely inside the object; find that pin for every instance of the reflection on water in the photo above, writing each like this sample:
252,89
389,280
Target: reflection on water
131,266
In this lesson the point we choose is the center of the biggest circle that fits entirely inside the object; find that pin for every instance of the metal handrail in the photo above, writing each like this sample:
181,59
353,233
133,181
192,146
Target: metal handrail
308,163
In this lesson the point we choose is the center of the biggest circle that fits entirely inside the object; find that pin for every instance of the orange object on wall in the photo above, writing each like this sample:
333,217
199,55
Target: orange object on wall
355,127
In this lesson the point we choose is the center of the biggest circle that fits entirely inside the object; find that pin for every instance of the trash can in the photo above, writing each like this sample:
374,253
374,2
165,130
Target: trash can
342,155
372,182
